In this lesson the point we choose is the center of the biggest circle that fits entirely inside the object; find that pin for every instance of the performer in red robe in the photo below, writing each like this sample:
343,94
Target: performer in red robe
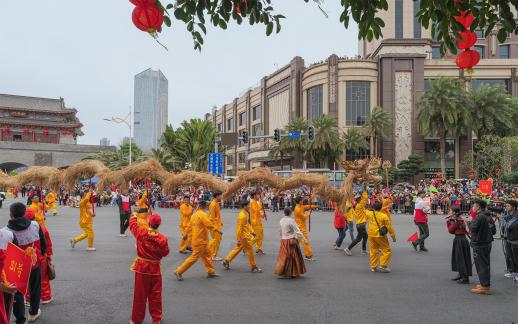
152,246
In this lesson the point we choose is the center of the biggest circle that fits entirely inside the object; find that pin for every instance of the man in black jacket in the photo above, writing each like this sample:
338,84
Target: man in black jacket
482,230
124,202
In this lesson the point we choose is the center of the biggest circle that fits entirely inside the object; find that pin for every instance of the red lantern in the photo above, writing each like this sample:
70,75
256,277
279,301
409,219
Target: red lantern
5,129
143,2
148,18
26,130
465,19
45,132
467,39
467,59
65,132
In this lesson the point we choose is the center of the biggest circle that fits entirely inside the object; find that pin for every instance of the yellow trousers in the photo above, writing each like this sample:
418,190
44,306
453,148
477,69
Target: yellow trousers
88,232
258,230
377,244
243,246
184,244
53,207
214,242
198,252
307,247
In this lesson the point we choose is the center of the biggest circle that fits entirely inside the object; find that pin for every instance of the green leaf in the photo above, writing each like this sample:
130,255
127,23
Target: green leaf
502,35
169,6
198,37
269,28
222,24
202,27
167,21
190,26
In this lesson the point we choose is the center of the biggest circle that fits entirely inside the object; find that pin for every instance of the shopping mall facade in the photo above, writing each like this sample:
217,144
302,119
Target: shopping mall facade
392,72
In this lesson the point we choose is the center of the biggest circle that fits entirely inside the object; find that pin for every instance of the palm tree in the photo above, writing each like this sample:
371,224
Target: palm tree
378,124
193,141
295,147
165,157
353,140
444,110
493,111
326,147
120,158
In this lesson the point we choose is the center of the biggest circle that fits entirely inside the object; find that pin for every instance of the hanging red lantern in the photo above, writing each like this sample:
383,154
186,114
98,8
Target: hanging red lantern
26,130
467,59
148,18
465,19
467,39
5,129
45,132
143,2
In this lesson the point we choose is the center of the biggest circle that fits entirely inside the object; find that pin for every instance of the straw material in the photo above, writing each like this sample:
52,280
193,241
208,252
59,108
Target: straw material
85,169
150,169
196,179
36,175
5,180
107,178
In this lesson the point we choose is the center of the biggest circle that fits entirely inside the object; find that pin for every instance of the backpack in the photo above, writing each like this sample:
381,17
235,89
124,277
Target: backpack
512,231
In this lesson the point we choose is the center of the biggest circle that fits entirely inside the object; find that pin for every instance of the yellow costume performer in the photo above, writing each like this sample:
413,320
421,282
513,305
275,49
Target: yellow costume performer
185,228
200,224
86,214
51,200
217,226
256,220
378,244
386,204
142,212
245,239
300,216
39,209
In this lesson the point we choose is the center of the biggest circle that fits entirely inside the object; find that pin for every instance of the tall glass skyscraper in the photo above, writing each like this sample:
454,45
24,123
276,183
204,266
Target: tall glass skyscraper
150,108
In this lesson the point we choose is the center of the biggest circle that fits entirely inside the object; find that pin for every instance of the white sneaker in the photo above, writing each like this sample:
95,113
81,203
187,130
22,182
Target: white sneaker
91,249
336,247
123,235
217,258
33,318
44,302
348,252
384,270
508,275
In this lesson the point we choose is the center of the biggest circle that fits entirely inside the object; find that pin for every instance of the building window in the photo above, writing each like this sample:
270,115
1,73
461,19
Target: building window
230,159
230,124
504,51
315,102
436,52
256,112
242,119
427,84
480,33
399,18
480,50
432,158
219,127
358,102
476,83
361,154
256,131
417,25
242,157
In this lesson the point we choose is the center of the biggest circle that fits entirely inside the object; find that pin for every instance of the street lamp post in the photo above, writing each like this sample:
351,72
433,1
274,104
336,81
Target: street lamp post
128,122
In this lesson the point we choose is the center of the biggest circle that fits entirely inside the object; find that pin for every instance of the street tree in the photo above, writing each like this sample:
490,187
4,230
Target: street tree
326,147
378,124
353,140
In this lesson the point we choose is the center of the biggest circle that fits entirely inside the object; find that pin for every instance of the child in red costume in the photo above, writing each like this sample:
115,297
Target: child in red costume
152,246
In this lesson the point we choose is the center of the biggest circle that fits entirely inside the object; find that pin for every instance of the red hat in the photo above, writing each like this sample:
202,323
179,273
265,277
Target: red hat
155,219
30,214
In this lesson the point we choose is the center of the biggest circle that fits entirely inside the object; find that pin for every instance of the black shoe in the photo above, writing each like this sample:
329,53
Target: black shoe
226,264
414,245
423,249
456,278
463,281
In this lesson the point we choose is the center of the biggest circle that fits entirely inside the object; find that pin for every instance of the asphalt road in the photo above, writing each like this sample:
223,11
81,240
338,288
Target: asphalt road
97,287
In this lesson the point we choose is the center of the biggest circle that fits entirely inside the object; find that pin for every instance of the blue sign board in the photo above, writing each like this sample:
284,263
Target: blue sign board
215,165
294,135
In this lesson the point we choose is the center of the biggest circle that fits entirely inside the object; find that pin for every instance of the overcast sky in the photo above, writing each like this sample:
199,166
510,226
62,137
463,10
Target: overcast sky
89,51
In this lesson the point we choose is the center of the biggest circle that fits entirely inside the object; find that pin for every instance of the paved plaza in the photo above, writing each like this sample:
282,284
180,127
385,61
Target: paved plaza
97,287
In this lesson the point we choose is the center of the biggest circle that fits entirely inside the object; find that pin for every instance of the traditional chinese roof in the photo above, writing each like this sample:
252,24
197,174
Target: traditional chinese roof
34,104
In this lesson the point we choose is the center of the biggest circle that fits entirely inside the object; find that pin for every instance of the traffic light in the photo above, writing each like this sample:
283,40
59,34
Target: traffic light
311,133
244,137
277,135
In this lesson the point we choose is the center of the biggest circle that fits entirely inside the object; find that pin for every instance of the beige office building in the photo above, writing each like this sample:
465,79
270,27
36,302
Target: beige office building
392,72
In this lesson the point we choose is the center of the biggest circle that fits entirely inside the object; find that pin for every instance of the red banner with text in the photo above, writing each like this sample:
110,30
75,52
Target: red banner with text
17,267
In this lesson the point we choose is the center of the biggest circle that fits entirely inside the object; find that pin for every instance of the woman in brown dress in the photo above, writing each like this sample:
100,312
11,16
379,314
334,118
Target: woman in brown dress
290,263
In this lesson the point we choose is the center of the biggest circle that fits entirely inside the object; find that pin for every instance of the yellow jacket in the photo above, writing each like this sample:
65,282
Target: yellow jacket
350,211
50,198
85,217
185,216
300,216
142,202
200,224
360,211
39,212
383,220
215,215
243,229
255,213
